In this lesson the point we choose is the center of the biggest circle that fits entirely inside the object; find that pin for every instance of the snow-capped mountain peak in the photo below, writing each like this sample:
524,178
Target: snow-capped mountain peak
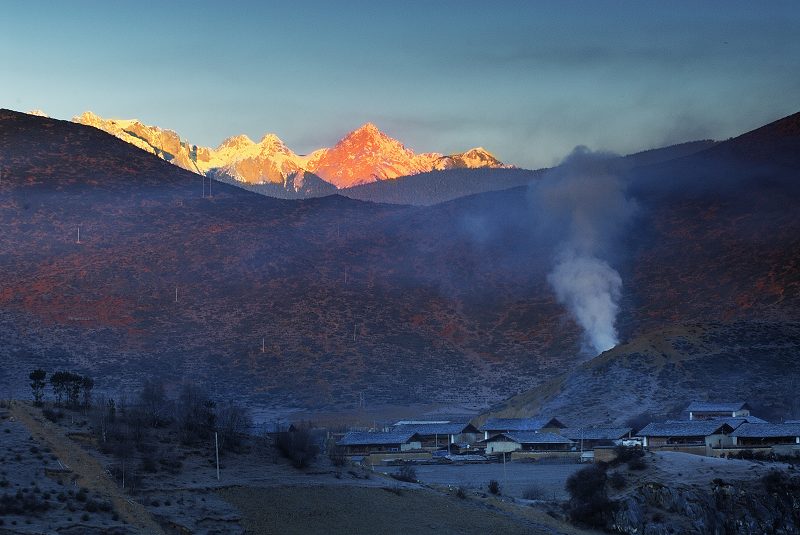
364,155
236,142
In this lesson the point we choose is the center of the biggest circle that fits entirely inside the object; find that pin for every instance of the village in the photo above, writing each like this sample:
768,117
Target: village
84,463
711,429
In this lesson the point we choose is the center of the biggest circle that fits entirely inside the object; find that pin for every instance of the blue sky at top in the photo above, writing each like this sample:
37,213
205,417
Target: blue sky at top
528,80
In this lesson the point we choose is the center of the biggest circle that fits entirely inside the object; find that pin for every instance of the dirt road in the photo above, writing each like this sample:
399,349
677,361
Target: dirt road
88,471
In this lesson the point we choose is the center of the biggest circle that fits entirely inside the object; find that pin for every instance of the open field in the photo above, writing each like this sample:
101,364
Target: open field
356,510
515,478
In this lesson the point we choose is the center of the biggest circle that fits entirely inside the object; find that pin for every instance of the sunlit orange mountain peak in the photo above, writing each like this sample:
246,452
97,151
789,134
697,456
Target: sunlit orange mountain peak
364,155
368,155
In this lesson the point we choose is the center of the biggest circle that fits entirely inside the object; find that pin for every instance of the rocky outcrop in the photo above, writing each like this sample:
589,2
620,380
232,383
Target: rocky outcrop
770,505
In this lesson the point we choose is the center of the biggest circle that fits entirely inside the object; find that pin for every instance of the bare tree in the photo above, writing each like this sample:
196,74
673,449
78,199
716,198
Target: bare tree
87,383
233,422
153,403
103,419
194,414
298,446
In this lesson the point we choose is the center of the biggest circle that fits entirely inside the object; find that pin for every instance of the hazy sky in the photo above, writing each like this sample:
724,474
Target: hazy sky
528,80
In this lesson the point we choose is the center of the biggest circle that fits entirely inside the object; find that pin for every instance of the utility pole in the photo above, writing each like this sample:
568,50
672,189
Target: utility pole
263,345
505,476
355,325
216,449
176,294
79,233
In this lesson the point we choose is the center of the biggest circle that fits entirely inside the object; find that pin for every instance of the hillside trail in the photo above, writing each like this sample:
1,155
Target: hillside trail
88,471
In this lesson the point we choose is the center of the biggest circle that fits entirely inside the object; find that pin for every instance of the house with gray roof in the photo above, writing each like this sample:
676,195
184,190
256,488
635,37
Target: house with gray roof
591,437
495,426
441,434
733,422
697,433
766,435
365,443
736,422
709,410
529,441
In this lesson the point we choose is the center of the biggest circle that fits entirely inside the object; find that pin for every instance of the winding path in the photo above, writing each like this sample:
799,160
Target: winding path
88,471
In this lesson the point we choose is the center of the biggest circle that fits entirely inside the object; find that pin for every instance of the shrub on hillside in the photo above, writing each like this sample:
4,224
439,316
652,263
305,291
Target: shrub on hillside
637,463
626,454
50,414
298,446
617,481
337,456
589,503
494,487
149,464
406,473
774,481
533,492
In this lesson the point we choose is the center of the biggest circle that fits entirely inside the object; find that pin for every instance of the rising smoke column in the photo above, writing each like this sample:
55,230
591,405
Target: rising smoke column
582,204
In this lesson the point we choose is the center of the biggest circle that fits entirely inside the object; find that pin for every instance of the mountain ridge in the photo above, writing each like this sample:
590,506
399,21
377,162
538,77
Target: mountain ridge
364,155
314,302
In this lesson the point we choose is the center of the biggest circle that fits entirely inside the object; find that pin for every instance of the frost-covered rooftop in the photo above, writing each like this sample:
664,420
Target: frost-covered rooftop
520,424
767,430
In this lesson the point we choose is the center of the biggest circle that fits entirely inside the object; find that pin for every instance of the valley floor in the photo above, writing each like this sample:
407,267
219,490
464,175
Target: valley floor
256,493
55,479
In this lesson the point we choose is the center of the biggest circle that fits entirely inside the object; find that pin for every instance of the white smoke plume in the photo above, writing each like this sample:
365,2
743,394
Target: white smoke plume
590,288
582,203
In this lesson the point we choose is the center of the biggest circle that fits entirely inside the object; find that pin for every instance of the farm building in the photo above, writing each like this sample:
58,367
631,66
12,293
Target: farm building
763,435
440,434
708,410
495,426
364,443
527,441
736,422
703,433
591,437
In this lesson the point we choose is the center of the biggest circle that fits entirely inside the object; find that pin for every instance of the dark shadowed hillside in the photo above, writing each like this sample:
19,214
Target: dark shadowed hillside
716,241
301,185
426,189
439,186
318,302
291,302
660,372
671,152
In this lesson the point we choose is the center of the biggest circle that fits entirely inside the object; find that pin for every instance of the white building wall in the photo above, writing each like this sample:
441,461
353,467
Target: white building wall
502,447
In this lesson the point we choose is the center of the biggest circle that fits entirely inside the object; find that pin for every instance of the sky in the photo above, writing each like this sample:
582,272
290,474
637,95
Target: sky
527,80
